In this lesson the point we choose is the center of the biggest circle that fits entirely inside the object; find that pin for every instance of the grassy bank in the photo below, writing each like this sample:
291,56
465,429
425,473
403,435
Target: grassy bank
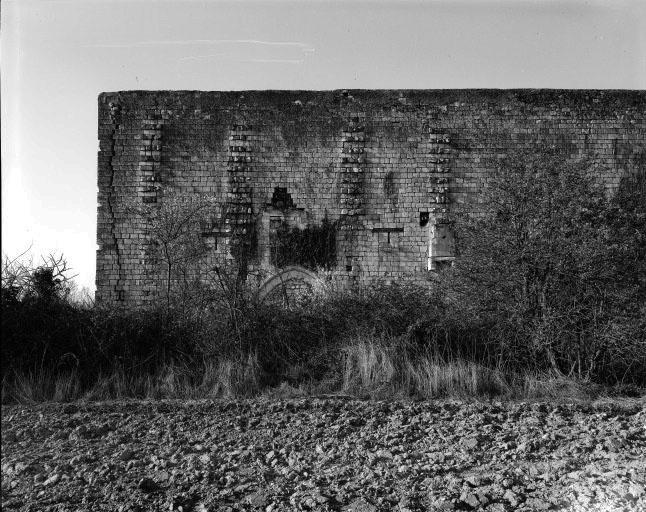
378,341
365,378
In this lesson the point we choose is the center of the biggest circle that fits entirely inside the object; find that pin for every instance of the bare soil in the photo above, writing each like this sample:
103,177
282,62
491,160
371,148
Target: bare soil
324,454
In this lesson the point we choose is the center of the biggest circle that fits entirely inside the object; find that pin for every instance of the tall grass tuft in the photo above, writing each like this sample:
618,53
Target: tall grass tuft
44,386
374,367
459,378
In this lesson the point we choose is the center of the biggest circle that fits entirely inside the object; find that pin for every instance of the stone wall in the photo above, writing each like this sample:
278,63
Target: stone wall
386,166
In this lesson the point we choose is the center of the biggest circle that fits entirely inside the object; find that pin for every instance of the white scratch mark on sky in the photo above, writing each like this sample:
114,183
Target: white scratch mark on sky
143,44
224,56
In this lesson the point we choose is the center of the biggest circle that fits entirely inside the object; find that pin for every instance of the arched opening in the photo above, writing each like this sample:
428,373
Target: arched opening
290,283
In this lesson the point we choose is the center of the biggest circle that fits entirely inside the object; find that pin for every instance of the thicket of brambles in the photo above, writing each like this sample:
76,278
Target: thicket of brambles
547,296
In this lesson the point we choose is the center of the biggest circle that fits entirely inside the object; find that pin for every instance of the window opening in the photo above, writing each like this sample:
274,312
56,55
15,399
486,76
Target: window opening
281,199
275,225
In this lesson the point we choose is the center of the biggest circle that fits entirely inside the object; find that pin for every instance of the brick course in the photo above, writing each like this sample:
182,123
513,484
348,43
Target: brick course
387,165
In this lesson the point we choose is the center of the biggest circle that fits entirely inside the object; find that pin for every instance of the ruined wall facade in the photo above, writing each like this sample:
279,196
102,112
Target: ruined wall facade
384,167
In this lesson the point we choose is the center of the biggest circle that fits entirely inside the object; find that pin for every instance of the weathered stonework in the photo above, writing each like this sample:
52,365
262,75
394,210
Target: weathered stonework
384,166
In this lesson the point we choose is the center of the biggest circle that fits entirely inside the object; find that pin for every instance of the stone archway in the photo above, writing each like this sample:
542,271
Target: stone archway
292,278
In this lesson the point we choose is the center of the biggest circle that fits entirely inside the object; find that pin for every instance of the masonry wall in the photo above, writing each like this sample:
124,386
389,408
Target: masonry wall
387,166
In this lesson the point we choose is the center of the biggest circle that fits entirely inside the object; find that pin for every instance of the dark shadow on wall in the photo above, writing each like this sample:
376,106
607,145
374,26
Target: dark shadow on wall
313,247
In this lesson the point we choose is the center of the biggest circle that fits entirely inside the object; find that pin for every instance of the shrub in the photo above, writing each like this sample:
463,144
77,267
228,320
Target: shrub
548,267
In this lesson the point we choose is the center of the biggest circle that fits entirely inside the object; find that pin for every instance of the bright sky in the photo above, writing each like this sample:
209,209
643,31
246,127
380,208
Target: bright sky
58,55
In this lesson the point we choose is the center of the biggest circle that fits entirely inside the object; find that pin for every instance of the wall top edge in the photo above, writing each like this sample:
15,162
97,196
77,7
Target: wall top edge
382,97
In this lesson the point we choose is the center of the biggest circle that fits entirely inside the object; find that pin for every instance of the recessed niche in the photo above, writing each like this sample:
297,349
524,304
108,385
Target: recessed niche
281,199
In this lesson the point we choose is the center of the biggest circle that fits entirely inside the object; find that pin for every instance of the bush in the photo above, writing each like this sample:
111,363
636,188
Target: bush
554,270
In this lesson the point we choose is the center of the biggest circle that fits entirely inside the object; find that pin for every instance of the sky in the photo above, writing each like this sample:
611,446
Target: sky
57,56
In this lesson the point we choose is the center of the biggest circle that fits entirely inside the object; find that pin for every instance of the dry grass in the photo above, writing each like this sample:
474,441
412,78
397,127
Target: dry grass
370,368
231,378
556,387
222,379
375,369
457,378
40,387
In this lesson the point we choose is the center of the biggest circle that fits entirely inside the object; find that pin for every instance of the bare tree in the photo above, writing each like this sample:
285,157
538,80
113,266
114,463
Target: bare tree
23,279
173,229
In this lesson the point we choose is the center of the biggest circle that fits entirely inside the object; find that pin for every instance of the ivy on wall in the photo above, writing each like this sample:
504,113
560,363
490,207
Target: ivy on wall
313,247
244,249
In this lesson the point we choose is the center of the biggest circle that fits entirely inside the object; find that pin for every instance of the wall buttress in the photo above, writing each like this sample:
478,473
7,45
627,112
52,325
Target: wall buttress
238,212
440,235
353,163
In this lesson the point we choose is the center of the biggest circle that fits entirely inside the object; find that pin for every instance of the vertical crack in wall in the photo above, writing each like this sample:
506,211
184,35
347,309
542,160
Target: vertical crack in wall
115,118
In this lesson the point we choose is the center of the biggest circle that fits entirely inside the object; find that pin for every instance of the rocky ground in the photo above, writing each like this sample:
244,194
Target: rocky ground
323,454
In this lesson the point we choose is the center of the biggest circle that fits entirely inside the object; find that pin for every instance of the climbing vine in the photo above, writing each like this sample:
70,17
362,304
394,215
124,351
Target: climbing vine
313,247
